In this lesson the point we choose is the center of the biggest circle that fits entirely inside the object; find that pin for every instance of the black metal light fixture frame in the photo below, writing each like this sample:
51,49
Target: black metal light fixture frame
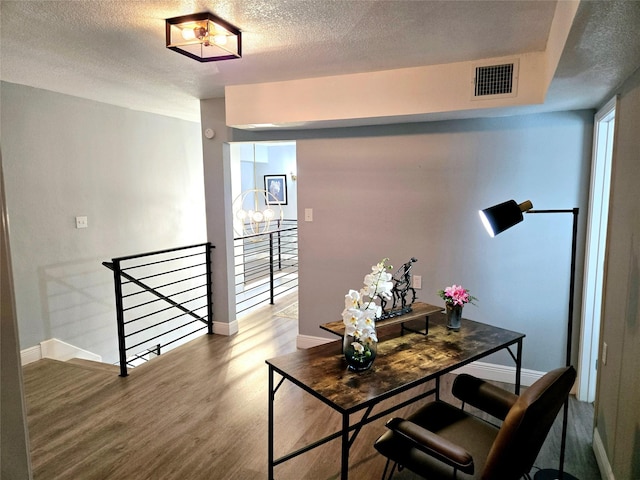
204,48
496,220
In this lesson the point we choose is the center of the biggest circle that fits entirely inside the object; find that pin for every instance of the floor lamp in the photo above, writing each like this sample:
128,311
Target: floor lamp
496,220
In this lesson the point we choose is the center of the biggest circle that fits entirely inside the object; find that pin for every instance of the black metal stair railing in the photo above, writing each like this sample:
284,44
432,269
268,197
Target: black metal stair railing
266,265
163,298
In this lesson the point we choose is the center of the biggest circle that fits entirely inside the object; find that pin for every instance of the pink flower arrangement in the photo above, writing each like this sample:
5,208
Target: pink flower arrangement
456,295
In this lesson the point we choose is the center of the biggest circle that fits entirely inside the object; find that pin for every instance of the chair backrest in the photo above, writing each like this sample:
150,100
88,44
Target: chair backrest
526,426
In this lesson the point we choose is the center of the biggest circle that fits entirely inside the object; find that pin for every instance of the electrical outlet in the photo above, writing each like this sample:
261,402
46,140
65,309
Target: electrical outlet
308,214
82,222
417,282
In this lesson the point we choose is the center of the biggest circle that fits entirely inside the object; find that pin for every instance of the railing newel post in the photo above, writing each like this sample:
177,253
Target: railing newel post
208,248
122,348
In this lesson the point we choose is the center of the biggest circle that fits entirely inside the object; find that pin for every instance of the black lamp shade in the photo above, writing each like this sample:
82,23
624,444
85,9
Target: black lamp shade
503,216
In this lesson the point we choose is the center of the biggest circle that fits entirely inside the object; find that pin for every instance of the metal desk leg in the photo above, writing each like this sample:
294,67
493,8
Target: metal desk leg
518,366
271,409
344,467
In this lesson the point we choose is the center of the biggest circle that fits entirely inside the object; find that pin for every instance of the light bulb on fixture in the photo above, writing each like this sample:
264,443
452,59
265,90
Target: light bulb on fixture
188,34
219,39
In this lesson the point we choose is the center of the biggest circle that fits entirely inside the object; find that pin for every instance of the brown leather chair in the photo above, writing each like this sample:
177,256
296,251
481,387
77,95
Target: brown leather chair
440,441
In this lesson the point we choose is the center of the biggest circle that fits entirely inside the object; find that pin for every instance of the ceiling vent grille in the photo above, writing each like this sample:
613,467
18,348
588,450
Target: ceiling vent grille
495,81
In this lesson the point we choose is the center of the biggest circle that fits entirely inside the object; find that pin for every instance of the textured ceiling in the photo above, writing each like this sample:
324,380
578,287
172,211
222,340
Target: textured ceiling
114,51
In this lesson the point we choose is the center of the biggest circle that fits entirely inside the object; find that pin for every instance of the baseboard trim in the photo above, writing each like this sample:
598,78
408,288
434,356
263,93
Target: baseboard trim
30,355
63,351
485,371
57,350
500,373
224,328
601,457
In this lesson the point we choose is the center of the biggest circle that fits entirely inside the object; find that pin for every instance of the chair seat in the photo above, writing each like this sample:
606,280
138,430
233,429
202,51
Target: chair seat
469,432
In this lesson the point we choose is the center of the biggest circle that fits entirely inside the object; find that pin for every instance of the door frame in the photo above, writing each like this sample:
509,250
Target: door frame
595,252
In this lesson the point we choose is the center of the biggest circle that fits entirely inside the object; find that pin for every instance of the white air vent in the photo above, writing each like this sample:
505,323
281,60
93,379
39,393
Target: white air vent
495,80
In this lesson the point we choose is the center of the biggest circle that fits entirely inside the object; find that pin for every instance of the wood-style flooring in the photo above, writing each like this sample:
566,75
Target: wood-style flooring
200,412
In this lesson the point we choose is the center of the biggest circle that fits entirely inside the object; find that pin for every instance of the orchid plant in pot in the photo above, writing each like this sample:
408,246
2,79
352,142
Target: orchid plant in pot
455,297
359,317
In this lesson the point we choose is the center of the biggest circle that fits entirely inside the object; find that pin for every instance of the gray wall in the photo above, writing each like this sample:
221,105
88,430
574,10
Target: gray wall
618,392
415,189
137,176
418,194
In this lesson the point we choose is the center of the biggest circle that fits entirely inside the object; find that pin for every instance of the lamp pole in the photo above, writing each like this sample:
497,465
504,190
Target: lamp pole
548,474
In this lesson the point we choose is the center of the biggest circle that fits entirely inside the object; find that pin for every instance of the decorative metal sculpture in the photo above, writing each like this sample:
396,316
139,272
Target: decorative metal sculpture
402,285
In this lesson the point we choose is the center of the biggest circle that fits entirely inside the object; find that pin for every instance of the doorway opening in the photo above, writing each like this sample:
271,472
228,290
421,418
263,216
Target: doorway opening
603,139
264,209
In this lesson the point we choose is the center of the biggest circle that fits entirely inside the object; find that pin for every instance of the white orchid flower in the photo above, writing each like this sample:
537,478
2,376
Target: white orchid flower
351,316
352,299
361,309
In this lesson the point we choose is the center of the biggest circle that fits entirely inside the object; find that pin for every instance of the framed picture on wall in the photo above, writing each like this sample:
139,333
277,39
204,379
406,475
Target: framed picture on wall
276,185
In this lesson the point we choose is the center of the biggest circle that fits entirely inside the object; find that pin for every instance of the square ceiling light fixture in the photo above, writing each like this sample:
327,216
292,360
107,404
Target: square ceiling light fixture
204,37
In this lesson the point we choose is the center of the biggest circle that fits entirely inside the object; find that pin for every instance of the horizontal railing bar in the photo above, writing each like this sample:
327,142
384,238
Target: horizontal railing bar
260,280
185,310
262,253
172,259
166,309
158,252
270,232
168,272
257,242
168,296
255,271
255,284
184,336
137,282
159,299
163,334
153,291
131,334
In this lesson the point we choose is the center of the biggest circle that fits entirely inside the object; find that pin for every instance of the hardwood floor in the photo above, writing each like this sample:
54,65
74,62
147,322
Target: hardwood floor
200,412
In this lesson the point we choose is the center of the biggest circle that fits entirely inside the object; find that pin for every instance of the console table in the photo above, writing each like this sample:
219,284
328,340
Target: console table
402,363
420,311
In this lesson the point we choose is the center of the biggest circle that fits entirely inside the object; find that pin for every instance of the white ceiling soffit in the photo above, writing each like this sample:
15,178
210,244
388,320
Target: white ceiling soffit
113,51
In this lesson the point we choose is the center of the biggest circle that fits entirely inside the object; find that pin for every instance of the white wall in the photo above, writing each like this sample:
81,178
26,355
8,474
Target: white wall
137,176
271,159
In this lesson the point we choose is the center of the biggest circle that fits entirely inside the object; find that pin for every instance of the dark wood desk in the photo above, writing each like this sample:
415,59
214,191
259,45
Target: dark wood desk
403,362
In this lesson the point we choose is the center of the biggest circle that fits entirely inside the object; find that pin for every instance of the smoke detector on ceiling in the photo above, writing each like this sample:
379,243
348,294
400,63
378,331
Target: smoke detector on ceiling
495,80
